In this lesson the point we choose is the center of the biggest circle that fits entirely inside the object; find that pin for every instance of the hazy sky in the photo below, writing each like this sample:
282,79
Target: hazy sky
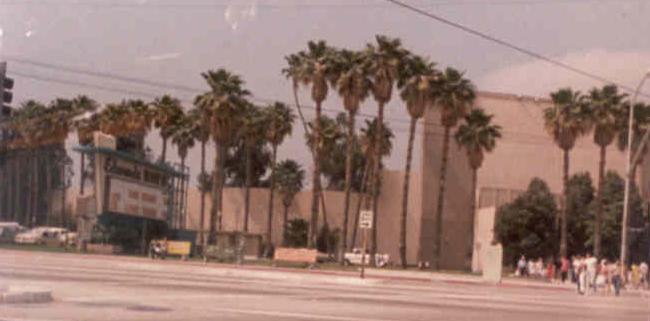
174,40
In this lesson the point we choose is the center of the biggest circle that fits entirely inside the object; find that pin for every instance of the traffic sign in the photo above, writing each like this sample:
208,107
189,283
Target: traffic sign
365,220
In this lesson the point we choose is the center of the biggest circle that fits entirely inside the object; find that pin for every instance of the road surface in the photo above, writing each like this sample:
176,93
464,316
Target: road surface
87,287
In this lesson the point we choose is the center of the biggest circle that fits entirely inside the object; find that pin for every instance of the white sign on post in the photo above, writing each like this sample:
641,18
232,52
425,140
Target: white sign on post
365,220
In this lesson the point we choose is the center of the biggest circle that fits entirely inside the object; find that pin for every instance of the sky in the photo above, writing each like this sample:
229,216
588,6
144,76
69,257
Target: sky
173,41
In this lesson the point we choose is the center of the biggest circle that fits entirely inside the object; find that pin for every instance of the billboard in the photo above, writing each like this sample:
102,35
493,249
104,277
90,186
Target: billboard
137,199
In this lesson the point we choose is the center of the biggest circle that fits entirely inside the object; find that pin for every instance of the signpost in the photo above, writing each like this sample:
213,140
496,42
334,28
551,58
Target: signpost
365,223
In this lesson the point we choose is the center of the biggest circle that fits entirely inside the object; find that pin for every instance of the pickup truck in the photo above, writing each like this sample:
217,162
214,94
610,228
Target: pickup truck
354,258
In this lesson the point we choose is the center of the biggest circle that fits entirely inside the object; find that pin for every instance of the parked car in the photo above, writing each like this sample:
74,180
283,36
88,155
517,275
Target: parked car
354,258
68,238
40,235
9,230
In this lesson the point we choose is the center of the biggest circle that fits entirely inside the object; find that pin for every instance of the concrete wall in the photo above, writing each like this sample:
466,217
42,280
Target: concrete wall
483,235
388,220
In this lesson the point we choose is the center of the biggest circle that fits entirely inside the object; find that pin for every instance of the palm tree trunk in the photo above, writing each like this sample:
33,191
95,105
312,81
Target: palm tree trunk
64,190
222,181
181,201
163,154
313,230
362,197
441,199
405,193
216,193
82,174
269,224
563,218
285,222
202,216
472,221
247,188
599,200
348,182
377,179
48,185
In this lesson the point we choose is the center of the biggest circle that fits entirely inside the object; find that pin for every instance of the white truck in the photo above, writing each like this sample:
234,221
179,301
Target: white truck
354,258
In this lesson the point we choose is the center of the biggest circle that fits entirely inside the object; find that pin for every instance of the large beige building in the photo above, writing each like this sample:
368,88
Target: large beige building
524,152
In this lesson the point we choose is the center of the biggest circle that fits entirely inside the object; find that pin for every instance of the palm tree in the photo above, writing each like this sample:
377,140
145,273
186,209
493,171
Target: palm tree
477,135
280,119
201,115
313,67
289,177
383,61
417,82
225,100
368,147
455,99
604,110
167,112
565,121
252,131
183,134
129,121
353,85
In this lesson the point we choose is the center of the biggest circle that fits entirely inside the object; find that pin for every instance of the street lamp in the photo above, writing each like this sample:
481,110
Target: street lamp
629,171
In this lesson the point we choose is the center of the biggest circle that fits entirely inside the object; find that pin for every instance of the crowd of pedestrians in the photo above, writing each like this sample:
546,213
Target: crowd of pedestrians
588,274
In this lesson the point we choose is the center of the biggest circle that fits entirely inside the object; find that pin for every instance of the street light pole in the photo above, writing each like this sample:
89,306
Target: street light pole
629,171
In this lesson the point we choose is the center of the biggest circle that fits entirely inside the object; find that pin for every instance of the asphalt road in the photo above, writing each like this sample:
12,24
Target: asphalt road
89,287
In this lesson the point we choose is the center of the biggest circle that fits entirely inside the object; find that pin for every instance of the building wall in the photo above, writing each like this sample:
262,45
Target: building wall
390,201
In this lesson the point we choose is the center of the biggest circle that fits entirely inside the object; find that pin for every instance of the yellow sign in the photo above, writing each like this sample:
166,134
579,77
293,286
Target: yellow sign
178,248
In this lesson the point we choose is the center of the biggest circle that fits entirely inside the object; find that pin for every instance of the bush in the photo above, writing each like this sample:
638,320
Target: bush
297,233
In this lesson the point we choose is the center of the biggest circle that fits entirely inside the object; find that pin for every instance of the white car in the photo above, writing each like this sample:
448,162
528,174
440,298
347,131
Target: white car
9,230
354,258
39,235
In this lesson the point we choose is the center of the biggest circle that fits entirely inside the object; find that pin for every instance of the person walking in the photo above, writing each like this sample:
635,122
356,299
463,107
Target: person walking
643,271
591,268
582,275
564,268
615,271
521,266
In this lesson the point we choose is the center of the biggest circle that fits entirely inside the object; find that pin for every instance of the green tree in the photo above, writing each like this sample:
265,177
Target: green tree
225,101
296,233
477,135
579,198
235,165
167,112
289,177
280,119
612,204
384,60
565,121
522,226
456,96
604,109
353,85
418,89
313,67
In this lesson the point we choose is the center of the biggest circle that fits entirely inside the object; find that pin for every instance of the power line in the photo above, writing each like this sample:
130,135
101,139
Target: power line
509,45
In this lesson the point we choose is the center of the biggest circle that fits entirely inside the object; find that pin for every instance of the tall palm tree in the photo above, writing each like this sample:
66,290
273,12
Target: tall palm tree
201,115
384,60
183,134
565,121
604,109
313,67
353,85
369,148
252,131
418,83
454,100
129,120
279,118
289,177
477,135
226,101
167,112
